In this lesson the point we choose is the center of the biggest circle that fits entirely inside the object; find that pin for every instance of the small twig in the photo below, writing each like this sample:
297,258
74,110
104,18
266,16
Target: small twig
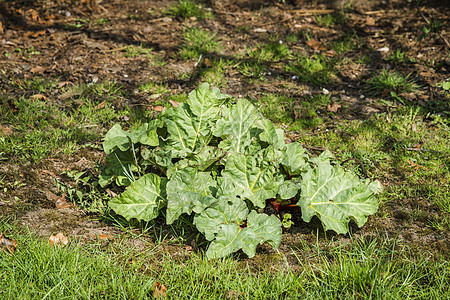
116,49
360,164
428,22
313,148
309,12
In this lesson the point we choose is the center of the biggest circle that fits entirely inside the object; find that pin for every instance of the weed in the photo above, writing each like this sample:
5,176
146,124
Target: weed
252,69
154,88
330,19
346,44
214,72
386,82
187,9
399,57
134,51
102,21
275,49
198,42
316,69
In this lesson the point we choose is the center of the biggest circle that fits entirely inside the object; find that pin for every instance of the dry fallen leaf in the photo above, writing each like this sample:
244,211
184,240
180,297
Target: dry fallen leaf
159,291
39,97
37,69
61,203
316,45
6,130
59,239
101,105
9,245
104,236
334,107
174,103
158,108
208,63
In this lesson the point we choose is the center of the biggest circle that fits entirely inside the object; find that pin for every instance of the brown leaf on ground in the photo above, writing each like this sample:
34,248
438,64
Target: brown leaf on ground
334,107
208,63
174,103
6,130
58,240
101,105
158,108
316,45
39,97
61,203
38,70
104,236
7,244
159,290
34,34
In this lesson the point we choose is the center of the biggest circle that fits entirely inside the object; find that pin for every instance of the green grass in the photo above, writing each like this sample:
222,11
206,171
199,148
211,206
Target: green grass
198,42
391,81
370,268
316,70
187,9
42,128
135,51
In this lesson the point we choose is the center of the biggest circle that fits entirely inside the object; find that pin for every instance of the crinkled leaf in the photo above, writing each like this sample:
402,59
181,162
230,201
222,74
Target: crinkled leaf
206,157
230,238
189,190
181,126
295,158
142,199
225,211
146,134
116,137
265,228
271,135
252,181
289,189
189,125
117,164
238,128
335,196
205,104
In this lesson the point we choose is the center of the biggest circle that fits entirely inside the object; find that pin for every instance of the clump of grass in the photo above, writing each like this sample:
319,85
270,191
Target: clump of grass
187,9
198,42
252,69
316,69
135,51
387,81
399,57
275,49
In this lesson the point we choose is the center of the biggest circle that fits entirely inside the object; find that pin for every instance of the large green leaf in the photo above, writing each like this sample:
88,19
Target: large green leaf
335,196
295,158
238,127
190,124
273,136
225,211
142,199
189,190
231,238
117,137
118,163
252,181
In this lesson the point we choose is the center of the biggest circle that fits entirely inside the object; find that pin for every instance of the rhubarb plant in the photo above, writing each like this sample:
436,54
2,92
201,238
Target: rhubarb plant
218,158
